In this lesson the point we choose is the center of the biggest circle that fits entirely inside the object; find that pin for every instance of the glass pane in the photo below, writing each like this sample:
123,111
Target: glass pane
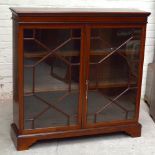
51,77
113,74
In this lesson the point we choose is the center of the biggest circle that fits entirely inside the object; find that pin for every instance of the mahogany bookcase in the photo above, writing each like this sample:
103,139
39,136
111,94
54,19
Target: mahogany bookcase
76,72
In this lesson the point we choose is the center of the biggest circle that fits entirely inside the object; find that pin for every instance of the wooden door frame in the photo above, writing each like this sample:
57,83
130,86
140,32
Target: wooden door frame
88,28
21,70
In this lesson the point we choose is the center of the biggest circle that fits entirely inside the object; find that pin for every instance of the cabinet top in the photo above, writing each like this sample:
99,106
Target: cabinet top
21,11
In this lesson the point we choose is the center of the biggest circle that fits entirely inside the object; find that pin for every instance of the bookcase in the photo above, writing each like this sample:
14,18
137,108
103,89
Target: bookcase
76,72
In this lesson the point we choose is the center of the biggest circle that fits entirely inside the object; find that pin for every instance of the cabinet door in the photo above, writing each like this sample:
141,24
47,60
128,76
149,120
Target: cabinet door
112,84
51,77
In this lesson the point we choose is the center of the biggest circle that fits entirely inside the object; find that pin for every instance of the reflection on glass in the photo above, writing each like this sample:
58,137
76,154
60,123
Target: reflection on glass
51,77
114,63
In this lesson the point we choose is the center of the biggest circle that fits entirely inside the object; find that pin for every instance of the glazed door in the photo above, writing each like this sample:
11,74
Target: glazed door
113,69
52,77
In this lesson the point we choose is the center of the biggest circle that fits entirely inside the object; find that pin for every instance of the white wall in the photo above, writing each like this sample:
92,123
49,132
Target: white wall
6,30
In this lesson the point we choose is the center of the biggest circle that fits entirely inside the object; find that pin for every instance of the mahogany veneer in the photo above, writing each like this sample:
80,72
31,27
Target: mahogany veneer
76,72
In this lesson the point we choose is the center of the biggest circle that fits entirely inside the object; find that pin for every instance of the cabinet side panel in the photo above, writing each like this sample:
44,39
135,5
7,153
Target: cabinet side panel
15,76
143,37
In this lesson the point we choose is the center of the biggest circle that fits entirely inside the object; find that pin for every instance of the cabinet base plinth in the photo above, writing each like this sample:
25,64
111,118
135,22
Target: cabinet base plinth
134,131
23,142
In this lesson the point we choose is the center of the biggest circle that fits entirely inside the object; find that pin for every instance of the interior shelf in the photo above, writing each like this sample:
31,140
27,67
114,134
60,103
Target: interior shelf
48,84
115,83
57,85
45,82
38,54
74,53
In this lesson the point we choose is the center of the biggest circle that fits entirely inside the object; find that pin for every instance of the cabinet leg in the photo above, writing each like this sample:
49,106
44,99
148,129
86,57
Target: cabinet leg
134,131
24,143
21,143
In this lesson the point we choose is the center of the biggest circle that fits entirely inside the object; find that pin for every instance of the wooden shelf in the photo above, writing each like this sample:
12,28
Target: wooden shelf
39,54
53,84
44,81
104,53
119,83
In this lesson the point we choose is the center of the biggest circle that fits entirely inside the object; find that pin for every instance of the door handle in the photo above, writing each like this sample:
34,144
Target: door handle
87,83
